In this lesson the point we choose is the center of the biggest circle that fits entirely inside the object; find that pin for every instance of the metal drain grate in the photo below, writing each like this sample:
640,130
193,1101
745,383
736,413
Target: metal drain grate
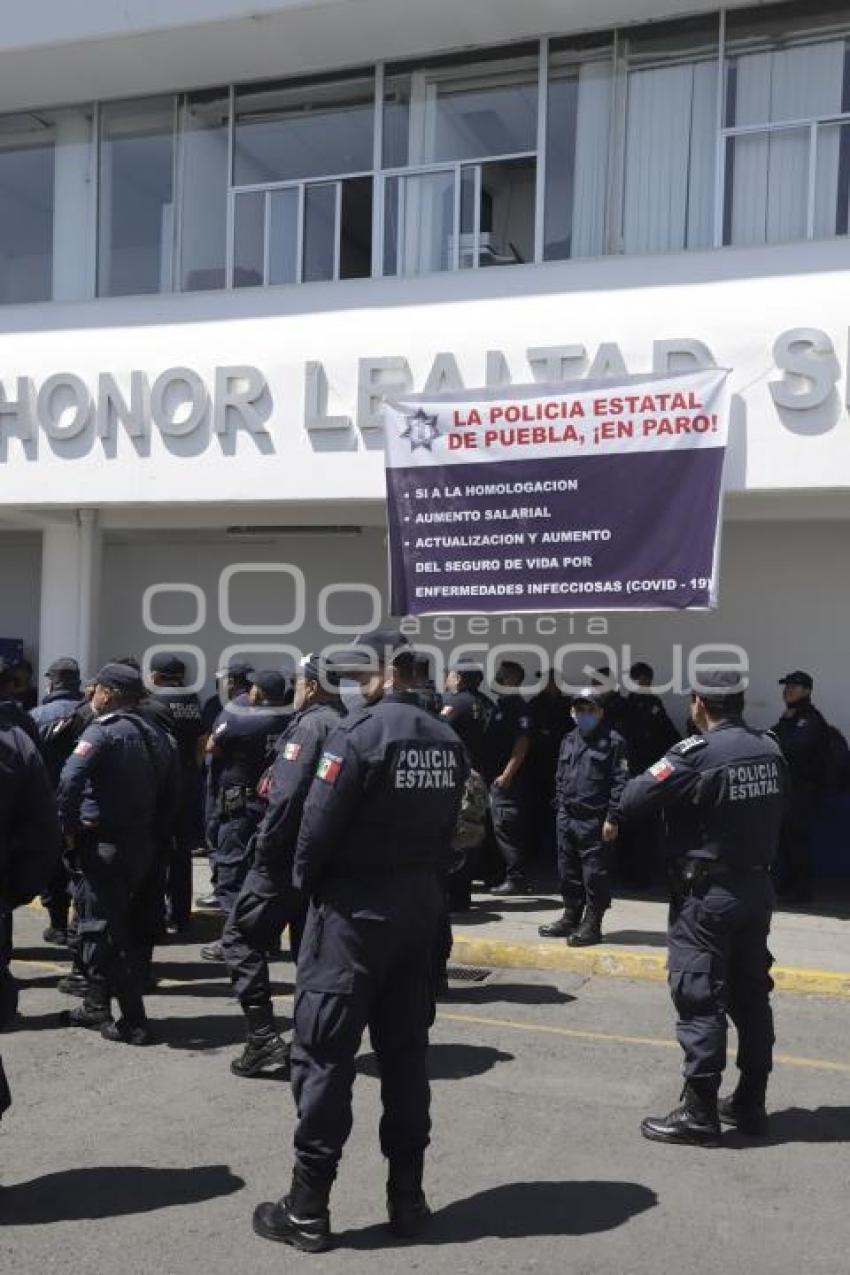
467,974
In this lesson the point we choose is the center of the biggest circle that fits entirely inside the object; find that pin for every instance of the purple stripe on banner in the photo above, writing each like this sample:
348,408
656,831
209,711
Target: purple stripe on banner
594,533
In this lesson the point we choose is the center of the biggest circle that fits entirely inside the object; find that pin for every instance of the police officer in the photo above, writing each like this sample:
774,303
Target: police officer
429,696
11,713
113,795
723,792
592,771
465,706
505,750
240,748
612,701
59,724
29,848
551,720
377,824
167,675
267,901
649,733
804,739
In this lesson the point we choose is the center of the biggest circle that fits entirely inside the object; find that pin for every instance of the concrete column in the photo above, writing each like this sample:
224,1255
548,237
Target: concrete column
73,211
70,588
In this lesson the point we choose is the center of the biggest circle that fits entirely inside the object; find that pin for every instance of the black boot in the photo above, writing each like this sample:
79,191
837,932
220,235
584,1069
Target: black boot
264,1047
56,934
406,1204
744,1109
94,1011
590,930
132,1027
694,1123
301,1219
73,984
564,925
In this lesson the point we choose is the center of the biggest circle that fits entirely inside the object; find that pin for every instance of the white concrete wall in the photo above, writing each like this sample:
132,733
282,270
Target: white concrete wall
20,582
736,301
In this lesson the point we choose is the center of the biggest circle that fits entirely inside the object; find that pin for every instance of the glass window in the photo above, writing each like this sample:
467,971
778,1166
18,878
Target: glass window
419,223
670,136
578,130
320,232
45,162
136,230
355,248
292,132
283,234
249,237
203,187
460,112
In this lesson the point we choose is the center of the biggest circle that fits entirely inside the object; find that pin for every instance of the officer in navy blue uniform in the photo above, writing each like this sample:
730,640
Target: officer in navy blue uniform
649,733
115,795
723,793
240,749
375,833
167,675
506,746
465,707
592,772
29,848
429,697
11,713
59,725
803,736
268,901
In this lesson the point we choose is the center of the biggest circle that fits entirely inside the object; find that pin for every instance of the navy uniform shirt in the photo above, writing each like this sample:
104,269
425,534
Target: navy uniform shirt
11,714
647,729
185,725
385,800
509,720
243,739
60,722
297,755
552,720
119,778
29,830
592,773
465,713
804,739
724,794
54,708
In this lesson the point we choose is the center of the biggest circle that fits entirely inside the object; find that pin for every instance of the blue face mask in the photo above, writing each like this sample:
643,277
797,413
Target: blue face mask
351,694
586,722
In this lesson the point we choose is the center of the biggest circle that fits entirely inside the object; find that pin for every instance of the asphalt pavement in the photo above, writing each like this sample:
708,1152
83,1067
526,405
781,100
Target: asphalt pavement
117,1161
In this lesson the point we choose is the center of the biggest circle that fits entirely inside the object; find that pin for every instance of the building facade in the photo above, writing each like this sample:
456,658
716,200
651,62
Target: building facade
227,230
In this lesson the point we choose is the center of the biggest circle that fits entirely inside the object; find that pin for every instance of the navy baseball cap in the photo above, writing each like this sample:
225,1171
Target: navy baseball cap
64,665
321,668
798,678
386,644
715,683
238,669
271,683
167,665
465,664
120,677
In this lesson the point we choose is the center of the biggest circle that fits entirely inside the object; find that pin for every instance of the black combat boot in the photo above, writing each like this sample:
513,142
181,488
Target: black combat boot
264,1047
132,1027
56,934
563,926
300,1219
94,1011
590,930
406,1204
212,952
73,984
695,1123
744,1109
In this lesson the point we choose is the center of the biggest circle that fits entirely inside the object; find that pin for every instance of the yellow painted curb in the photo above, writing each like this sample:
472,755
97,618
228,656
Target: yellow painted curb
469,950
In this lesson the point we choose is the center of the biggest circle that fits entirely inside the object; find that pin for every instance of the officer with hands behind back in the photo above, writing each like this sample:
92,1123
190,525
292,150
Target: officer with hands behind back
375,834
723,792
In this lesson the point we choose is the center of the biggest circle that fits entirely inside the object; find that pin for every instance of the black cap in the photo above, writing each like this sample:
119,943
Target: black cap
798,678
64,666
716,683
321,668
381,645
587,695
239,669
121,677
465,664
273,684
167,665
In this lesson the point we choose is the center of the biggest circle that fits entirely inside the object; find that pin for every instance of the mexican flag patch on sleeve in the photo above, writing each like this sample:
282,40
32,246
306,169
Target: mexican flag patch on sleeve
292,751
661,770
329,767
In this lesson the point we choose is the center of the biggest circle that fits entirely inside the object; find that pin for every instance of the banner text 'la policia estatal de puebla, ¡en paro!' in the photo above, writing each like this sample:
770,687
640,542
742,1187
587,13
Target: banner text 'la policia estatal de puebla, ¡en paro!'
587,497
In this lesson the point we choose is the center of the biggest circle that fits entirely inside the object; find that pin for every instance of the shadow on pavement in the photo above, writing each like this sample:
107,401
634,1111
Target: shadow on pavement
525,1210
526,903
636,938
796,1124
512,993
448,1062
77,1195
210,1031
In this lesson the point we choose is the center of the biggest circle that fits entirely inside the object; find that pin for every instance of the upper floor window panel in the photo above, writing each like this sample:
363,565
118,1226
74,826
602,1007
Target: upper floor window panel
460,112
289,133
